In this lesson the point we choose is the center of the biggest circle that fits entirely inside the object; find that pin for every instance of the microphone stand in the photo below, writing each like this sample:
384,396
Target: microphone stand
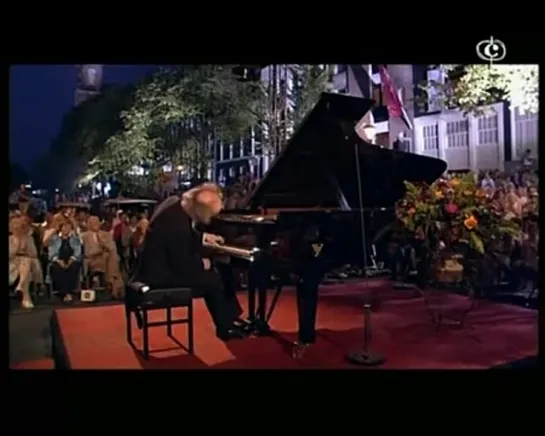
364,356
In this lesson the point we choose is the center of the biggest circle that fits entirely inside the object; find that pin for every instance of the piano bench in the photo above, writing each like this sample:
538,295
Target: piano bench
183,298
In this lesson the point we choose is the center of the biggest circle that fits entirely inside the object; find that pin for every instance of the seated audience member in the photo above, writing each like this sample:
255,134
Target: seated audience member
530,255
532,206
26,208
487,182
53,228
511,210
24,265
122,238
101,256
520,200
137,240
65,256
133,233
81,217
143,224
118,217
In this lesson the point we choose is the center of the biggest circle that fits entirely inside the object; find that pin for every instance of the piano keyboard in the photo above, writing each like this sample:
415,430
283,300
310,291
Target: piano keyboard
249,219
242,253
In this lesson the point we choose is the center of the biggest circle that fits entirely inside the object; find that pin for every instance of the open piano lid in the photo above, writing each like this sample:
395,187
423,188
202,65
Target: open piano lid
317,168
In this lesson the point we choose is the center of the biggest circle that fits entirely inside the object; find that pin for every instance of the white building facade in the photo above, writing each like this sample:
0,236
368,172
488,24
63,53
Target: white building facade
464,142
493,140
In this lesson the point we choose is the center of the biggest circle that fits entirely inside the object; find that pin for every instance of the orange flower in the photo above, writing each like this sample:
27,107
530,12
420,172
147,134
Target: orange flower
454,182
470,222
480,193
439,194
411,211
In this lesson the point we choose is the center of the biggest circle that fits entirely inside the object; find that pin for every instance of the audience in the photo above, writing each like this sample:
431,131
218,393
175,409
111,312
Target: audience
238,190
72,239
101,256
24,264
65,255
515,195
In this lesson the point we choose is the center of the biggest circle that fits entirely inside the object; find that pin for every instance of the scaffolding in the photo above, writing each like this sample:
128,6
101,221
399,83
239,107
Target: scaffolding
277,119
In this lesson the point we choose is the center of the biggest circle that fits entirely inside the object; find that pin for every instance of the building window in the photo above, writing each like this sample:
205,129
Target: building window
226,151
247,148
526,132
91,77
458,134
431,137
236,149
217,150
487,126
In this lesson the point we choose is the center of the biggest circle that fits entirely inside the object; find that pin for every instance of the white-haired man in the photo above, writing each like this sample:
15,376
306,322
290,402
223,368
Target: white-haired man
172,254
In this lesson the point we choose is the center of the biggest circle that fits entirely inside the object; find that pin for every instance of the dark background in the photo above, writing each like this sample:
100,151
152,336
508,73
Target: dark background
40,95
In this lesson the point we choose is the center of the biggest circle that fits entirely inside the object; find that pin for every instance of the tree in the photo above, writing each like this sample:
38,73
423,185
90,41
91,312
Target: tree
309,81
477,85
286,106
177,114
18,175
84,131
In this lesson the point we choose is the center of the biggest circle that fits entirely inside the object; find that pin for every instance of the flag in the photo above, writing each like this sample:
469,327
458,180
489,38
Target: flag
391,97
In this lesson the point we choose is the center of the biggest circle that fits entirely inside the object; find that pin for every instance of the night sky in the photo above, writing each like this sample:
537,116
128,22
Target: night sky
39,97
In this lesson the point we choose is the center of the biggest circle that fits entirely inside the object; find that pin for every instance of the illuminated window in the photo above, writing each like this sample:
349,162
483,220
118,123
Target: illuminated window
526,132
458,134
487,127
431,137
91,77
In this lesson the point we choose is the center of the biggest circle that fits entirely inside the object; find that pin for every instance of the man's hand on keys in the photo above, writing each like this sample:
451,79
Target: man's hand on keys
212,239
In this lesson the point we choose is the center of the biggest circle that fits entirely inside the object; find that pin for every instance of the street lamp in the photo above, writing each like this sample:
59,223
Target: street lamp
367,132
179,170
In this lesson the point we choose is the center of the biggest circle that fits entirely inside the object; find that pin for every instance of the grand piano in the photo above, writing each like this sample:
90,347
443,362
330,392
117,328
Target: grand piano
318,207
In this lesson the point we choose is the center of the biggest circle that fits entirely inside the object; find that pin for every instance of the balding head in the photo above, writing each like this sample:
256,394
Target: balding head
203,202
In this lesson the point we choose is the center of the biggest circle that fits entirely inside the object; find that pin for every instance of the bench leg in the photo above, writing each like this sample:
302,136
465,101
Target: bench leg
169,321
145,335
190,334
128,325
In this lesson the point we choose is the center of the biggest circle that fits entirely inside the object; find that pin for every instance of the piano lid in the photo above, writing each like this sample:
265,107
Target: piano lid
318,166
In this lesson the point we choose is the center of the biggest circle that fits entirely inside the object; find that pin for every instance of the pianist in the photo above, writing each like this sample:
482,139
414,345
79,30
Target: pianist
172,255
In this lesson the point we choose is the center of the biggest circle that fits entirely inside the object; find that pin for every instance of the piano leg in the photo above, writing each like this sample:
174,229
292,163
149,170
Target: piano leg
307,305
251,297
258,283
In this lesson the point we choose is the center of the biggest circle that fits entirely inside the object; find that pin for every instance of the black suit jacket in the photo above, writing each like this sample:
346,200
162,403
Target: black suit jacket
171,253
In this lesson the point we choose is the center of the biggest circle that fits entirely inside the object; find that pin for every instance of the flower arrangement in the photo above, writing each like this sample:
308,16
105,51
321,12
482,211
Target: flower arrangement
453,211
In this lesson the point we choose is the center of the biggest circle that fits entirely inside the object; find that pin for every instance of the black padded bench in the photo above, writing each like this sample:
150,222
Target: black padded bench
159,299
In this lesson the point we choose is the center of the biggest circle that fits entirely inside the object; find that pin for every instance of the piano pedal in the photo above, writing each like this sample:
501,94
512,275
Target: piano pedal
244,325
257,327
299,349
261,328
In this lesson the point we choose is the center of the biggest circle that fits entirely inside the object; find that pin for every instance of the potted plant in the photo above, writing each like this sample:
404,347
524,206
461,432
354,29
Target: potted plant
457,223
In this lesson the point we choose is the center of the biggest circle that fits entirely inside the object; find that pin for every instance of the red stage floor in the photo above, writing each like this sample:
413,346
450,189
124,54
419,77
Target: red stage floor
94,337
